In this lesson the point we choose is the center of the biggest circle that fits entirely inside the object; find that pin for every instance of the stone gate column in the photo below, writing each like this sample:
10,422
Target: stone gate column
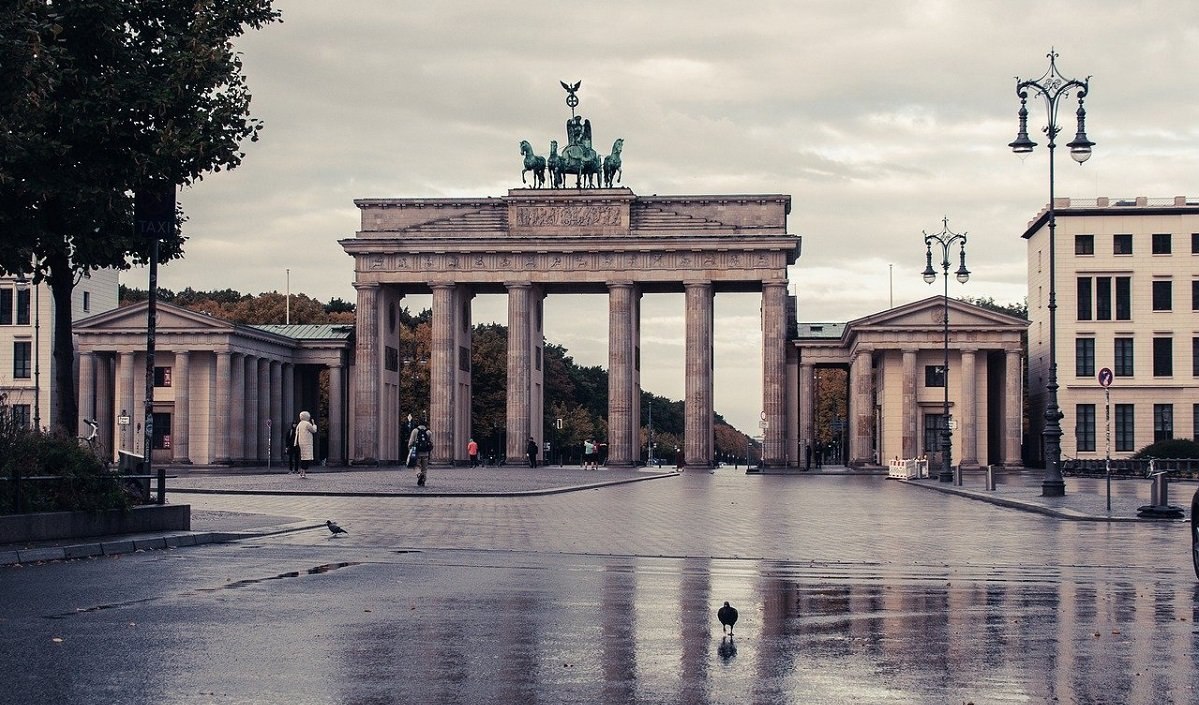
519,370
219,423
237,407
367,430
620,373
289,412
1013,375
968,423
910,419
861,407
181,424
252,424
337,422
697,407
441,374
807,412
774,372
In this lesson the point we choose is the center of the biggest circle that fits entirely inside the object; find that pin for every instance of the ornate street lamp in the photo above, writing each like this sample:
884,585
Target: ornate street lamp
945,239
1054,88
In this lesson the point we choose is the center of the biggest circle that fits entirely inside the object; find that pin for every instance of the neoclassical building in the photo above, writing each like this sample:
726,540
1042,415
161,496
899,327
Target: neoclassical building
896,382
534,243
223,393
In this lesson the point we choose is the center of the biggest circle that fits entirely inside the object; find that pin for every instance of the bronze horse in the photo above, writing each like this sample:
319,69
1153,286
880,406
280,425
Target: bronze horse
554,164
612,164
533,163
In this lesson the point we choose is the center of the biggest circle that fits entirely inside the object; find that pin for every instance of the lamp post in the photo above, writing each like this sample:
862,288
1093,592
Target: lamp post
1054,88
946,238
24,283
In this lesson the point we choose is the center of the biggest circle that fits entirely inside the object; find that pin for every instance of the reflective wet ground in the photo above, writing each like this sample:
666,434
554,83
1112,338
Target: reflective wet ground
850,589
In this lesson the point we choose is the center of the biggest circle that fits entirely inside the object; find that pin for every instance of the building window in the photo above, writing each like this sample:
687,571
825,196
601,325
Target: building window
1084,428
1125,428
23,307
1195,295
1195,357
1195,243
1194,420
162,377
1163,422
1084,244
22,359
934,376
1084,298
5,307
1163,357
1103,298
1162,295
1161,243
20,415
1122,244
1123,298
1084,357
1124,358
934,433
87,301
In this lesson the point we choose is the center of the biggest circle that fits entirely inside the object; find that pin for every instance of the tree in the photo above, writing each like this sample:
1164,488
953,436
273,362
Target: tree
104,100
1019,310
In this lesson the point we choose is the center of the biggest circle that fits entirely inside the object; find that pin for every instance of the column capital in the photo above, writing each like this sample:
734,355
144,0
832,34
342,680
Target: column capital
620,284
443,286
518,285
366,285
696,283
774,284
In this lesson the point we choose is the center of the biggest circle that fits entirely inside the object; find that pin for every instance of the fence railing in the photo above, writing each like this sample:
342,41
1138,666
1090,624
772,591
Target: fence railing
1177,467
138,485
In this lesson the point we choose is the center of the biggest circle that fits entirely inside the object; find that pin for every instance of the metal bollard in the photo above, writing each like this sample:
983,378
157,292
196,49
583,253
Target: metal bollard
990,478
957,475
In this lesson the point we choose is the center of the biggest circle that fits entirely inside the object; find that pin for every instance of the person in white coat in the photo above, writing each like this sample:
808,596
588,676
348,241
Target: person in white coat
305,441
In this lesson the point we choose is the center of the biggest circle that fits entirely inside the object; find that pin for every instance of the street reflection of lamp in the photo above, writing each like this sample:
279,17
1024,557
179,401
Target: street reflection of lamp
23,284
1054,88
945,239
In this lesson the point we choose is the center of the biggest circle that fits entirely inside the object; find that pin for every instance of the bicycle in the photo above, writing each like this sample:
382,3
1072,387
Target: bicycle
93,443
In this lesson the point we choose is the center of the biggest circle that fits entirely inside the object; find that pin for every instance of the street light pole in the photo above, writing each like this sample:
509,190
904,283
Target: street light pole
1054,88
945,239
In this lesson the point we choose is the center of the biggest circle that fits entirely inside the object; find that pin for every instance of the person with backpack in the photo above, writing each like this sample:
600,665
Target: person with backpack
421,439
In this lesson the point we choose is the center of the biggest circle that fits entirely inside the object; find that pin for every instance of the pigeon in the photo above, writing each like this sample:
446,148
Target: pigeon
727,616
335,530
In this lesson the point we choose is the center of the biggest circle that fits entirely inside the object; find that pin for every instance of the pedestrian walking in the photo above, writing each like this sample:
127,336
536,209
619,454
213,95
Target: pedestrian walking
305,441
293,452
531,449
472,449
807,451
422,440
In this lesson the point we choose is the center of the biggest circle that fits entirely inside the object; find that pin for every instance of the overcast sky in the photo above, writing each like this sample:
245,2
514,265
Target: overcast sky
877,118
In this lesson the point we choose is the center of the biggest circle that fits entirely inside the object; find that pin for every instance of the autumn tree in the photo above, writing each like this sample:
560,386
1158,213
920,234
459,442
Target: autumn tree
99,101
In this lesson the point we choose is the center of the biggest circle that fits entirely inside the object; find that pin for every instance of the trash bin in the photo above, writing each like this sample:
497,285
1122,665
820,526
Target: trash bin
134,464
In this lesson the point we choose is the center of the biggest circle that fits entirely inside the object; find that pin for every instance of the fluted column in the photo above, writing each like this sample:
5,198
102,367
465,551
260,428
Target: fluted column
910,419
252,408
441,374
367,421
262,413
1012,408
125,399
181,424
620,374
807,411
774,372
337,421
519,366
279,420
105,417
697,407
861,408
87,391
968,423
219,417
237,408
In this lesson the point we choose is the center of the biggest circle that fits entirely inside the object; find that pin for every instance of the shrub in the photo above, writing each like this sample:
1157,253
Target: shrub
82,482
1175,448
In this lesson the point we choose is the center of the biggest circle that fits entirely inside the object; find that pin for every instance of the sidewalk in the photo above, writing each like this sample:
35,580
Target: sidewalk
1085,499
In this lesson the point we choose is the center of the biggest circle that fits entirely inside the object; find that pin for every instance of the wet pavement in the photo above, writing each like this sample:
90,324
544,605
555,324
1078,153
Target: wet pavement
851,588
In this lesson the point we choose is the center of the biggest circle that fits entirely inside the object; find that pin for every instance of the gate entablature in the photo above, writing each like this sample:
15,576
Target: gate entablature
575,240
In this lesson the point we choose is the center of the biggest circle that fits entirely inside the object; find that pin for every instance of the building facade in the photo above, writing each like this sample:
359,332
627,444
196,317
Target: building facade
1127,289
27,317
896,383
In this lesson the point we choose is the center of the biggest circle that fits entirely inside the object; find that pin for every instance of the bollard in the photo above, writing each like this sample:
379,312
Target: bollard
990,478
957,475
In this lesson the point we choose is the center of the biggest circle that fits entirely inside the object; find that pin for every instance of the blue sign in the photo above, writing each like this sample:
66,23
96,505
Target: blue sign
1105,378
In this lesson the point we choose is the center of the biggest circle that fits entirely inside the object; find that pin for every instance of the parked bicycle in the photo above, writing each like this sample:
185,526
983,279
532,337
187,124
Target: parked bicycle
93,443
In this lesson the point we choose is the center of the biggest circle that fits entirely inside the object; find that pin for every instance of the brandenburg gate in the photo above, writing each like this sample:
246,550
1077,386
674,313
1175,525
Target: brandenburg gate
535,243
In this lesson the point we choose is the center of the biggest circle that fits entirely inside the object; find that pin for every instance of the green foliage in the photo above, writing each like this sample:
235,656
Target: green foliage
81,480
1174,448
1019,310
